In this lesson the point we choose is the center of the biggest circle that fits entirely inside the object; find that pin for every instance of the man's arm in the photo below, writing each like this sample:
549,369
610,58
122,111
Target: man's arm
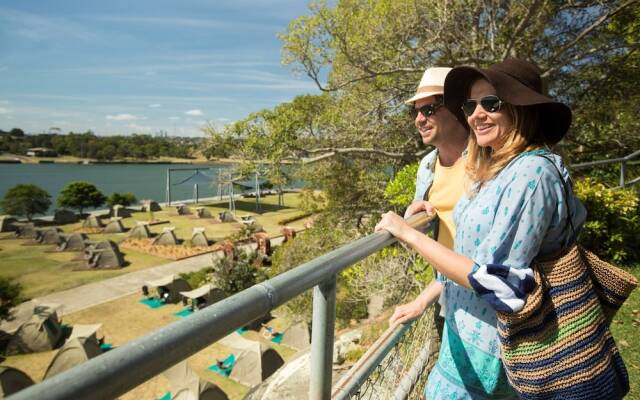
414,309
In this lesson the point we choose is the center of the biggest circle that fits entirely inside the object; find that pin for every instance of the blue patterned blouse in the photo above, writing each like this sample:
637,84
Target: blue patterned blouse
519,214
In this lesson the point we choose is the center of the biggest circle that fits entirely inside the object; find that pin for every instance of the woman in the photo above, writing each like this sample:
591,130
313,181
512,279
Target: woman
514,210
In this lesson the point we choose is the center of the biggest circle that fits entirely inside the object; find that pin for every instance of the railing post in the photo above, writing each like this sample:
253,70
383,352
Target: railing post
324,315
168,186
623,167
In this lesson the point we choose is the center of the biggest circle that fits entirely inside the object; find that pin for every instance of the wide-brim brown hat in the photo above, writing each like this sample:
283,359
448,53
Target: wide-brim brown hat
517,82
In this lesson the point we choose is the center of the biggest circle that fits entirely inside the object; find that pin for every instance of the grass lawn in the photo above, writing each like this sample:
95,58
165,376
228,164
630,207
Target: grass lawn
268,217
125,319
625,329
41,270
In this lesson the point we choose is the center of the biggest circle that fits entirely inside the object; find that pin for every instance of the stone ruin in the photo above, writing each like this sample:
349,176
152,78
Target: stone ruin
263,242
203,212
7,224
25,230
226,216
114,226
73,242
64,216
150,205
92,221
228,249
199,238
140,231
104,254
49,236
288,233
183,210
167,237
263,249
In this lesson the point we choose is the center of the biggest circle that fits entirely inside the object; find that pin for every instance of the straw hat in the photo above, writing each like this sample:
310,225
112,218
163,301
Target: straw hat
432,83
517,82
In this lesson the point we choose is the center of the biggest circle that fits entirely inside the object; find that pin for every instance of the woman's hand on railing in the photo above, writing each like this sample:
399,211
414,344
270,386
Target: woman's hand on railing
394,224
398,226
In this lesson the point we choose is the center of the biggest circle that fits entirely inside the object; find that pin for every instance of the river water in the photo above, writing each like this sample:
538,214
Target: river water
146,181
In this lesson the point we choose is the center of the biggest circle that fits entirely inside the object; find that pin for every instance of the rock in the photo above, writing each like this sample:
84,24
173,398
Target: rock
290,382
344,344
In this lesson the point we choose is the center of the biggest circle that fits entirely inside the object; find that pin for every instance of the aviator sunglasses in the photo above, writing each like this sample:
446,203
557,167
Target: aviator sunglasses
427,110
489,103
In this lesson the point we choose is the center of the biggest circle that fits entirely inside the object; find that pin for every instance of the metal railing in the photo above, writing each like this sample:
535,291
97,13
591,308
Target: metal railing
122,369
623,167
393,365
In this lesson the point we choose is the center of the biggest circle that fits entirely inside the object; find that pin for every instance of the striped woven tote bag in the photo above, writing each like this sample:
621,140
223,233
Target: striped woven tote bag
559,345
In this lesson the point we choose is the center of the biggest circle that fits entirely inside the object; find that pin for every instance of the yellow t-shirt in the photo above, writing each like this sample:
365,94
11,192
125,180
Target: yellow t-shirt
446,190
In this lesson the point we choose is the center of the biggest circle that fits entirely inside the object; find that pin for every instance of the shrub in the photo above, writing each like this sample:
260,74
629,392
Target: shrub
123,199
199,277
326,235
246,232
9,297
612,228
400,191
295,217
312,201
26,200
394,273
237,273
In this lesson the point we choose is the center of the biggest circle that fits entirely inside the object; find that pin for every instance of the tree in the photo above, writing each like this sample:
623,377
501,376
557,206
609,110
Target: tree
9,297
80,195
16,132
367,57
26,200
123,199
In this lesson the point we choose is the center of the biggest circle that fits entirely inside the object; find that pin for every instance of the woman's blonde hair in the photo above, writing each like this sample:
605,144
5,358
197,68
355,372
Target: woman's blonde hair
483,163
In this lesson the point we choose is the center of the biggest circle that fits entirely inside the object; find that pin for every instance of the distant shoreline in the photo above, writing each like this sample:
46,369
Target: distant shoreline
18,159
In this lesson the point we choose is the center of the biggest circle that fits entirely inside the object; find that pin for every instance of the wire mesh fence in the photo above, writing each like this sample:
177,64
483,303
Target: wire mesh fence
403,371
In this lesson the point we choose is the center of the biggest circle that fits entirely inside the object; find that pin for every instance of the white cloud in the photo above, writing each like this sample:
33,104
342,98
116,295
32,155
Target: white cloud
42,28
187,22
4,110
121,117
174,118
155,105
195,113
139,128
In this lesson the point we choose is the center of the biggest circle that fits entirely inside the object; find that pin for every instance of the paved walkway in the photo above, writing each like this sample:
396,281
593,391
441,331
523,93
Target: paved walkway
95,293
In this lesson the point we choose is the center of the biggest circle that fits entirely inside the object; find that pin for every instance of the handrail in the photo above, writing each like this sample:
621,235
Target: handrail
121,369
351,382
360,371
623,167
605,162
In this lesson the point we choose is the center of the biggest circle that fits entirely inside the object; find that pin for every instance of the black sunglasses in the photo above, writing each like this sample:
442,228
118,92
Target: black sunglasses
489,103
427,110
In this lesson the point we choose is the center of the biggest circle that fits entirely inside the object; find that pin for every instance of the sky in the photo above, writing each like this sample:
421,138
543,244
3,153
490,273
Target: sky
142,66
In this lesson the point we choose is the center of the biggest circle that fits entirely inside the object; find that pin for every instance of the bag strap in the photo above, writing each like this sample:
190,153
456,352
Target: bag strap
566,195
569,224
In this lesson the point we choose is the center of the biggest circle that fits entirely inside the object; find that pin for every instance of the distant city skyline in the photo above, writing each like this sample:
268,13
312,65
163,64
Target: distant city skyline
123,67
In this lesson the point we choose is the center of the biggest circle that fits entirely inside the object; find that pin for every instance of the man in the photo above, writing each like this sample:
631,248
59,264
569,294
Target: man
440,174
